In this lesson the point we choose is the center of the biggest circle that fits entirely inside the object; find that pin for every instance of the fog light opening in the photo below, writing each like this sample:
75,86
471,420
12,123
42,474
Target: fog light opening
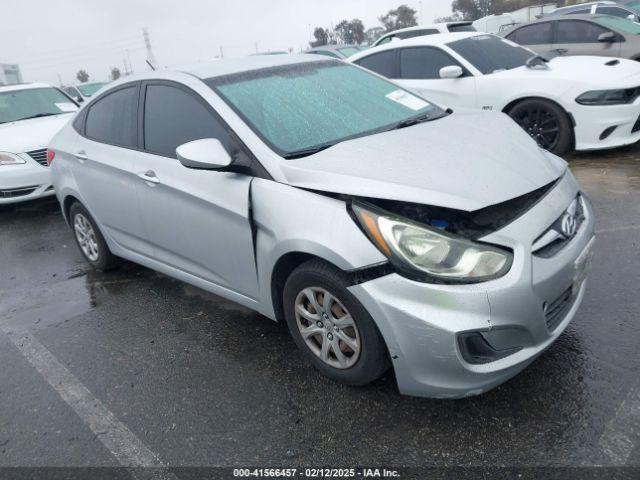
607,131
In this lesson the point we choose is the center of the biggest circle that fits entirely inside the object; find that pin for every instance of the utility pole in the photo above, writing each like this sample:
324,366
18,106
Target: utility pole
421,15
221,52
151,58
256,47
60,80
129,61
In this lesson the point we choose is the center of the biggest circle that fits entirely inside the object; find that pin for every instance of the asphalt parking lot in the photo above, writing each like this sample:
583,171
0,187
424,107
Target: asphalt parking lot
191,379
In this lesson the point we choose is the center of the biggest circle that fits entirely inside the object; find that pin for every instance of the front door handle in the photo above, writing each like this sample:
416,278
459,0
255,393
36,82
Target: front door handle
149,176
82,156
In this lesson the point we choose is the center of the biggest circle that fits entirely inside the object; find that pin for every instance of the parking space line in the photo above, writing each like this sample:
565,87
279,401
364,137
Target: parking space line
123,444
618,438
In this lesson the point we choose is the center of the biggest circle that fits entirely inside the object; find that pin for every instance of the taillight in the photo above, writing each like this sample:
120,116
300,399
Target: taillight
50,156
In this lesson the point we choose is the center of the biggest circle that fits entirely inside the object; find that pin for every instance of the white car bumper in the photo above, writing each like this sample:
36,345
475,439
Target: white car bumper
593,122
28,181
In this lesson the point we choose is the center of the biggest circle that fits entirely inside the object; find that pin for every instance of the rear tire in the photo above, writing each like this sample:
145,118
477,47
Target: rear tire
339,337
546,122
89,239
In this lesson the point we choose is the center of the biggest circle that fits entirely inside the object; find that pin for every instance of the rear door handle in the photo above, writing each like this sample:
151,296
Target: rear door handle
149,176
81,156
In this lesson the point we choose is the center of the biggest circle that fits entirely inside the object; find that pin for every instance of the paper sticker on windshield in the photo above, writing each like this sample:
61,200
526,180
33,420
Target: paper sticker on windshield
407,100
66,107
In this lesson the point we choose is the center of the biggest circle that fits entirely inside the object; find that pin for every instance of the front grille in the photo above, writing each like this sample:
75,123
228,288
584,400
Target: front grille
553,240
39,156
636,126
555,311
17,192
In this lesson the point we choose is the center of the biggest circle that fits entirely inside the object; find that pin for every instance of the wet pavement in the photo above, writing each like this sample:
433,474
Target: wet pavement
201,381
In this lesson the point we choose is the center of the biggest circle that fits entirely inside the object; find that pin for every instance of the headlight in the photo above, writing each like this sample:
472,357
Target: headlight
10,159
609,97
428,253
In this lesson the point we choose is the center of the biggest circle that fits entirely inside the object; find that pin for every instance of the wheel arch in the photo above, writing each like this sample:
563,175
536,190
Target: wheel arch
509,106
66,205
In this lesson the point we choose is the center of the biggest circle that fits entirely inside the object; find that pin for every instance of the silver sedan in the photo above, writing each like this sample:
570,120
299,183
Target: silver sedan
386,231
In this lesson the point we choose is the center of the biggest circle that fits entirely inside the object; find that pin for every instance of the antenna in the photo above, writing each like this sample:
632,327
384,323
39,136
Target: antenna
151,58
150,65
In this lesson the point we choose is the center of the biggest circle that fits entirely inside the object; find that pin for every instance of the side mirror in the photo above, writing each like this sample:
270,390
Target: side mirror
632,17
607,37
205,154
79,99
452,71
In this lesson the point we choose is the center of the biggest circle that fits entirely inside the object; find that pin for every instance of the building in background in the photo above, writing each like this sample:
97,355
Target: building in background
10,74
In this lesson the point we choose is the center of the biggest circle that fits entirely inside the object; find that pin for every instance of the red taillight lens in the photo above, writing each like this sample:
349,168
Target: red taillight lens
50,156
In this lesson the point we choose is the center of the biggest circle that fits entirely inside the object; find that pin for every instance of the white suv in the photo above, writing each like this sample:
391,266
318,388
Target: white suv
30,115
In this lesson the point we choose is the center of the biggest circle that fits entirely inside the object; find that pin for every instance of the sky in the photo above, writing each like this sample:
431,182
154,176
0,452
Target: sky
52,39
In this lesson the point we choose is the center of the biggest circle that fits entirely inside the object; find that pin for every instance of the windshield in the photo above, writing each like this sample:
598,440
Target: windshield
307,105
33,102
88,89
348,51
620,24
489,53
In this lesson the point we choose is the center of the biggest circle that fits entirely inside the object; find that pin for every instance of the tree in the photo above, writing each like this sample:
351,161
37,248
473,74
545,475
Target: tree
82,76
402,17
321,37
350,32
372,34
115,73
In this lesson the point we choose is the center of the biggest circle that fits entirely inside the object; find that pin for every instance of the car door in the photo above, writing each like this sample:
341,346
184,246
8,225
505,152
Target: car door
580,37
537,37
105,171
197,220
419,71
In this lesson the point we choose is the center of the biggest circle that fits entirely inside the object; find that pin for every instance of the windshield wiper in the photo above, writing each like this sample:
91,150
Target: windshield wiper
305,152
424,117
37,115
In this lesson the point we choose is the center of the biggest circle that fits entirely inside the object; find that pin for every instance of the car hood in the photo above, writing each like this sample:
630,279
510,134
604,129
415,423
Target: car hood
466,161
587,69
27,135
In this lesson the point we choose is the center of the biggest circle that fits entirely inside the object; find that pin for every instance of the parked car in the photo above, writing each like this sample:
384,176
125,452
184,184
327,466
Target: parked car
581,35
585,103
83,91
627,9
336,51
421,30
499,22
323,195
30,114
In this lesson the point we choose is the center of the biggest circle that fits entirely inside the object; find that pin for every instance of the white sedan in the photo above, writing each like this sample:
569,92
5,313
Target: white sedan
565,103
30,115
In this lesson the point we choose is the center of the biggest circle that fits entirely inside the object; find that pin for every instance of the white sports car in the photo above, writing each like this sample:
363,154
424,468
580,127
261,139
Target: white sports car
564,103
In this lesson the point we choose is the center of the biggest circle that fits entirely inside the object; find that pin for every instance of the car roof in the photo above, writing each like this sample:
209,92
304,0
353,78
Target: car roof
432,40
577,16
217,68
333,47
24,86
582,5
426,27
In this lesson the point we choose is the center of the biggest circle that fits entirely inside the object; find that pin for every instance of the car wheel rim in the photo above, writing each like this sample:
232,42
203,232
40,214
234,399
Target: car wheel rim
541,124
327,327
86,237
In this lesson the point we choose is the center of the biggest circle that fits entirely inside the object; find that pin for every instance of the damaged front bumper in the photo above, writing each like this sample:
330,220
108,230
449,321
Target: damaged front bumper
450,341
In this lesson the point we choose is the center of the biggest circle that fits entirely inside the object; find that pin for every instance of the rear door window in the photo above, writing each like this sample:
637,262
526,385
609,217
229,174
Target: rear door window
112,118
536,34
384,63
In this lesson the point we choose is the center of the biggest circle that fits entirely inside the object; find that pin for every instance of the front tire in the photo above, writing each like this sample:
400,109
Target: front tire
546,122
89,239
331,327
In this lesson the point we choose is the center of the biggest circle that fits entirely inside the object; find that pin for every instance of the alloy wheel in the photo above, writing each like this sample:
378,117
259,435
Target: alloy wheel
86,237
541,124
327,327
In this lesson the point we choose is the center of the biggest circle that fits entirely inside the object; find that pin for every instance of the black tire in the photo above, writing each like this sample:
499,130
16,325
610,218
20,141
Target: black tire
105,260
372,360
546,122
